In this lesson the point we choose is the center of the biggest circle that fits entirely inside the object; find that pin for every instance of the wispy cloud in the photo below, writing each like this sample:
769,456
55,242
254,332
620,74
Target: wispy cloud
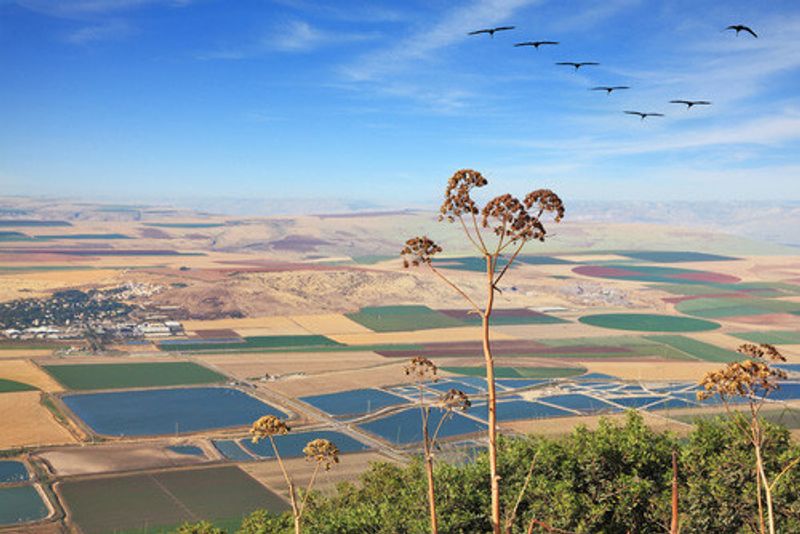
295,36
113,29
766,131
423,43
368,12
81,8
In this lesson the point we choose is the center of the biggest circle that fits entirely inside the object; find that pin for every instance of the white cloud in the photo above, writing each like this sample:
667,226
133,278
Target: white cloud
430,38
82,8
114,29
294,36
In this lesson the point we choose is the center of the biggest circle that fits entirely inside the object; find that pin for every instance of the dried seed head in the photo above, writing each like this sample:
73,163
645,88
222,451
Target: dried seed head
544,200
269,425
457,199
322,452
418,251
455,400
421,369
763,351
748,378
513,221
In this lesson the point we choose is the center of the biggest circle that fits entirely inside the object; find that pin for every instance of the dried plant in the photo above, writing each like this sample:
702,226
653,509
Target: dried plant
321,452
753,380
422,370
500,229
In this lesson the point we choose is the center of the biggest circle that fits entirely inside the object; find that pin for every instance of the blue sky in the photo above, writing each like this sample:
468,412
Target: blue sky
382,101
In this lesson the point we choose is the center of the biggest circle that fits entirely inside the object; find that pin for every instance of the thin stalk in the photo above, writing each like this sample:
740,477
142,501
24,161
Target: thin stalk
513,515
469,235
455,287
290,486
308,488
490,381
426,447
674,528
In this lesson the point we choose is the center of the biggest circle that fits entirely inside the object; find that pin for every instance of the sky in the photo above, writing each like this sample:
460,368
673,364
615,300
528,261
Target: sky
380,102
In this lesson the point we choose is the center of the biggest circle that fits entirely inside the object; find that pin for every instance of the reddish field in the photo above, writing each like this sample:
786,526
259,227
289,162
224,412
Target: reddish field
716,278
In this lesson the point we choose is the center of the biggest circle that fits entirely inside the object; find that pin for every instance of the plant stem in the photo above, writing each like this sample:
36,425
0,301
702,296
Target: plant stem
673,529
289,485
489,360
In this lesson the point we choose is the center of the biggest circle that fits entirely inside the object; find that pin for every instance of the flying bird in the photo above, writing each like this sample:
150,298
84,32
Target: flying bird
491,31
742,28
577,65
536,44
690,103
609,89
644,115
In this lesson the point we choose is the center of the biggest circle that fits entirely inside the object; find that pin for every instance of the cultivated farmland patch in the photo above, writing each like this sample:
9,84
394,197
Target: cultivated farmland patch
28,423
402,318
132,375
158,502
647,322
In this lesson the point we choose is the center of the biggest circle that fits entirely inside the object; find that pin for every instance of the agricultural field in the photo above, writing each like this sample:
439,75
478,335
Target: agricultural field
311,331
160,501
132,375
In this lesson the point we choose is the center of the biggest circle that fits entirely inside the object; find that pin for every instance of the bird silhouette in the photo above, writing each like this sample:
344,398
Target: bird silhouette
491,31
536,44
690,103
644,115
609,89
742,28
577,65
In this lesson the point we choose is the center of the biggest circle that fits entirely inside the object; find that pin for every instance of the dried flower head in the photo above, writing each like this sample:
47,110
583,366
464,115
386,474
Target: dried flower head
421,369
765,351
323,452
455,400
749,378
513,221
418,251
544,200
269,425
457,199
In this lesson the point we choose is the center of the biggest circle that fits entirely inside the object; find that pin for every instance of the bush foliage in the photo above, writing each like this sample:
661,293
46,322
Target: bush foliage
615,479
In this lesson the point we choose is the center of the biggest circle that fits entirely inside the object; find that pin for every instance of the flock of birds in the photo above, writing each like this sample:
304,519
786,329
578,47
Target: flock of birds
738,28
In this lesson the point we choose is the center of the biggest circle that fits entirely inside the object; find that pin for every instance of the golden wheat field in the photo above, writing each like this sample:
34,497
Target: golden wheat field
26,423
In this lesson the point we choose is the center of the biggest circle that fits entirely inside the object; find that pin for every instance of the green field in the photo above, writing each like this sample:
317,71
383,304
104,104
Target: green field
9,386
158,502
16,223
638,347
754,289
14,236
646,322
519,372
698,349
250,344
730,307
132,375
774,337
402,318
